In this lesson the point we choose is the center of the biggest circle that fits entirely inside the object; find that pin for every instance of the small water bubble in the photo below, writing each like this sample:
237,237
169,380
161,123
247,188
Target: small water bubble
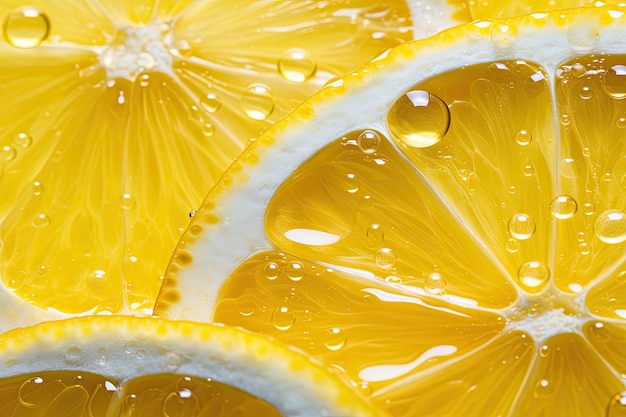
512,190
295,271
208,130
522,226
183,47
385,258
211,102
614,82
418,119
533,275
512,245
563,207
37,188
599,332
257,102
7,153
41,220
23,140
528,170
503,35
144,80
374,235
617,405
586,151
335,339
145,60
588,209
140,354
271,271
621,122
585,92
565,119
283,318
608,176
127,201
173,360
610,227
297,65
131,400
102,360
368,141
41,270
523,137
544,389
578,70
435,284
26,27
393,279
350,183
584,248
580,236
247,306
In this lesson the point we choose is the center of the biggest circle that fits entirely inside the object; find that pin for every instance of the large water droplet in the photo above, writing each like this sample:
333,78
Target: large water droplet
522,226
532,275
297,65
435,284
563,207
610,227
271,271
385,258
295,271
523,137
283,318
257,102
419,119
585,92
26,27
368,141
614,82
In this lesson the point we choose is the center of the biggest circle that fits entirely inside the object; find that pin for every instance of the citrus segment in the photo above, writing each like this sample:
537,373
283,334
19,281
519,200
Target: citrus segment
493,8
110,366
125,113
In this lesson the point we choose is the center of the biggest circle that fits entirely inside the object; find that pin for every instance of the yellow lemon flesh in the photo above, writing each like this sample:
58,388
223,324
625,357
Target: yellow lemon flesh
446,225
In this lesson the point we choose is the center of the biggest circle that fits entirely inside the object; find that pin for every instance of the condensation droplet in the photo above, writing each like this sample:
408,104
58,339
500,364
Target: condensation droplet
374,235
544,389
503,35
565,119
599,332
523,137
26,27
435,284
335,339
522,226
563,207
586,151
584,248
418,119
173,360
621,122
585,92
588,209
271,270
533,275
295,271
257,102
192,213
144,80
247,306
610,227
7,153
37,188
617,405
512,245
41,220
211,102
350,183
283,318
208,130
23,140
127,201
385,258
368,141
297,65
614,82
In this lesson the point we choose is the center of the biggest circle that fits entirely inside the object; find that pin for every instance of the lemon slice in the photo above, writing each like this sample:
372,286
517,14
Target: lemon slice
488,9
446,225
99,366
121,116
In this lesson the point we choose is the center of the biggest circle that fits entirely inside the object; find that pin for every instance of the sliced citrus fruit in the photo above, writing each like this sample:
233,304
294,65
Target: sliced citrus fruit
488,9
128,366
446,225
123,114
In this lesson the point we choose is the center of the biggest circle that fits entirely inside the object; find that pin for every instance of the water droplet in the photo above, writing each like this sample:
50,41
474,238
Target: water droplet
183,47
208,130
544,389
257,102
140,354
23,140
617,405
144,80
127,201
586,152
523,137
37,188
578,70
512,245
614,82
418,119
588,209
503,35
173,360
335,339
41,220
610,227
7,153
565,119
31,391
621,122
584,248
295,271
374,235
297,65
211,102
368,141
41,270
563,207
145,60
283,318
528,170
102,360
192,213
247,306
26,27
532,275
350,183
599,332
393,279
131,400
271,270
522,226
435,284
585,92
385,258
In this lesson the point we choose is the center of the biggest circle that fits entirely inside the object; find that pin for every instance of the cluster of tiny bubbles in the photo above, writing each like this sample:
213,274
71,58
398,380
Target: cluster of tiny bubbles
23,140
26,27
600,332
523,137
271,271
610,227
374,235
563,207
257,102
368,141
385,258
210,102
532,275
522,226
435,284
297,65
418,119
41,220
283,318
7,153
295,271
614,82
617,405
335,339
